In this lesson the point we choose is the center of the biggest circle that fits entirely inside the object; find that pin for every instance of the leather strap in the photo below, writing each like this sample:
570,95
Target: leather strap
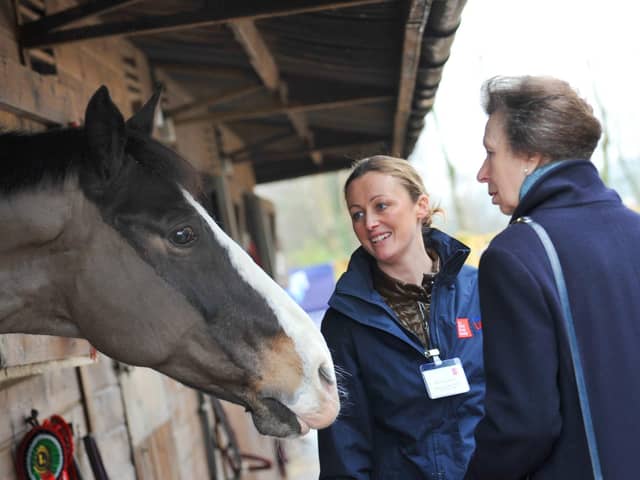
573,343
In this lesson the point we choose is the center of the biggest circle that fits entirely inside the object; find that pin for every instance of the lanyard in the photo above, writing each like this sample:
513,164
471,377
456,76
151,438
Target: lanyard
432,351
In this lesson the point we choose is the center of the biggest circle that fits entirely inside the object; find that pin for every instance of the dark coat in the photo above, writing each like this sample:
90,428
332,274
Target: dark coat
533,424
388,427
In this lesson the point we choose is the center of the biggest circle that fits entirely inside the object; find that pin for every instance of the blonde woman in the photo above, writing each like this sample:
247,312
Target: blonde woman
404,327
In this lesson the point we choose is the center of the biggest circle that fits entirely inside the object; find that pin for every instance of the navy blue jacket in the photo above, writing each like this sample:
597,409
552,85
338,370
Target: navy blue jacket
533,426
388,427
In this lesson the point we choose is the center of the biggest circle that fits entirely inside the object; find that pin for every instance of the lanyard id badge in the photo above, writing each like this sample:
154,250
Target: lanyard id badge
444,378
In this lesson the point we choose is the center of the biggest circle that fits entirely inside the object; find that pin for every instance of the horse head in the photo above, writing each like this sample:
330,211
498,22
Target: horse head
122,252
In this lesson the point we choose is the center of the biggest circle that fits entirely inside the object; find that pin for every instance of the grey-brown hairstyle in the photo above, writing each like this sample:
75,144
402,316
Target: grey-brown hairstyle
398,168
543,115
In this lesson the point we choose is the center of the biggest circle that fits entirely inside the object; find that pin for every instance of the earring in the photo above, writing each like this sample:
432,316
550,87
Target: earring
526,171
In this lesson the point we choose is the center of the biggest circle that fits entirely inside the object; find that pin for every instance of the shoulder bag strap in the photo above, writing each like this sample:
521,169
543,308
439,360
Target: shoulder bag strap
573,342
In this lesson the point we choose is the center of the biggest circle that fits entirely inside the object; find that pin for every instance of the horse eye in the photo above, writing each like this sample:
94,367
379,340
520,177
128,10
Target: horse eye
183,236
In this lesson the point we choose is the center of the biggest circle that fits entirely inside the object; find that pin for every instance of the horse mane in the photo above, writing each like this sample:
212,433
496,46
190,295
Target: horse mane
30,160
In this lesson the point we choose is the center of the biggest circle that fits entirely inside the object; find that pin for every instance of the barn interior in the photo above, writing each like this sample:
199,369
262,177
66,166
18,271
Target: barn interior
253,92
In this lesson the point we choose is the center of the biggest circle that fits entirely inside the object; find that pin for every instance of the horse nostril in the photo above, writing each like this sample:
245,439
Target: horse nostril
326,375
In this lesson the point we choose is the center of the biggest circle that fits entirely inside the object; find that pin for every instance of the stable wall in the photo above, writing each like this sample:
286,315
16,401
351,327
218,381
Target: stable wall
146,425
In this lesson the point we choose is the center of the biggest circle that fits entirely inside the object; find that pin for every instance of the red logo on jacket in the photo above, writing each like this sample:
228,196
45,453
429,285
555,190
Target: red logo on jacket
463,327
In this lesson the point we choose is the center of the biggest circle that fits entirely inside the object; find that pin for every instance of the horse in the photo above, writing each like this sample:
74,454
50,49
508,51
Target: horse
105,236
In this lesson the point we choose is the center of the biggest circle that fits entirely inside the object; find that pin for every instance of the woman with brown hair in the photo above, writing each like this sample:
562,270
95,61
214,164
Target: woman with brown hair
539,139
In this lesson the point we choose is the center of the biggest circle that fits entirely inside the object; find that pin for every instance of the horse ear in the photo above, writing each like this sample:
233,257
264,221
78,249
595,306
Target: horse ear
106,137
142,120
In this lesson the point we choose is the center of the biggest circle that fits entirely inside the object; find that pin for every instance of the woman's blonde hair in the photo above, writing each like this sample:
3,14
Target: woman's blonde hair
398,168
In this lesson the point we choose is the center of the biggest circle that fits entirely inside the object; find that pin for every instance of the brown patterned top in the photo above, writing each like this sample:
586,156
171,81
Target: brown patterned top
407,300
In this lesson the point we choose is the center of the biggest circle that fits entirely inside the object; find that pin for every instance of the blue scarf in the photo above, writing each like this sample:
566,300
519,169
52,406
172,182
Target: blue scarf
536,174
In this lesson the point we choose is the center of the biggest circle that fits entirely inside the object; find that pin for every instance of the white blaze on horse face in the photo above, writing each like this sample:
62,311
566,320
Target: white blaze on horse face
316,400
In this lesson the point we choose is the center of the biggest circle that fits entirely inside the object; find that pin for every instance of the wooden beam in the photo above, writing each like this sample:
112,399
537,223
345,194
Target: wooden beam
377,146
39,4
271,111
18,371
222,12
259,55
42,56
271,172
301,126
75,14
414,29
214,99
352,147
255,146
200,70
26,12
265,66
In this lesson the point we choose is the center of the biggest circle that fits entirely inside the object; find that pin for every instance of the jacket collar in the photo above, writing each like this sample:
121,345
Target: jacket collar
571,183
357,280
356,297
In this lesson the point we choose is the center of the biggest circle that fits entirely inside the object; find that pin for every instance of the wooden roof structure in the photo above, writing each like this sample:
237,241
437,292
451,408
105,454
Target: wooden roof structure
308,85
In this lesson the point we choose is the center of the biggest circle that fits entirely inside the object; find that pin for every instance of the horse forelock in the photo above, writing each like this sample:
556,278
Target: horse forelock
161,161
